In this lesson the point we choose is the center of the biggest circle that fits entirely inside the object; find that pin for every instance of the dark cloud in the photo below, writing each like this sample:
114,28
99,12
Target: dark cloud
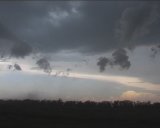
20,50
136,25
132,21
45,65
11,45
90,24
119,58
5,33
17,67
102,63
87,26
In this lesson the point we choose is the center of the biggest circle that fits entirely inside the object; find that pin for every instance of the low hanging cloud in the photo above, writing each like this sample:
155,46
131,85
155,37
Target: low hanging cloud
119,58
11,45
102,63
45,65
20,50
17,67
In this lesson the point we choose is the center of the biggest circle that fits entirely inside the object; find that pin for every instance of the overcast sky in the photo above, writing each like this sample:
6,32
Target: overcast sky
80,50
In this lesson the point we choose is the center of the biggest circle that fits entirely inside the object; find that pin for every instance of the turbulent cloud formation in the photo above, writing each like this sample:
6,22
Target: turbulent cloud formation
136,22
45,65
88,27
119,58
11,45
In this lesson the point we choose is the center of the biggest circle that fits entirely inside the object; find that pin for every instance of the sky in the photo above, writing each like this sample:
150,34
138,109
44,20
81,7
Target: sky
80,50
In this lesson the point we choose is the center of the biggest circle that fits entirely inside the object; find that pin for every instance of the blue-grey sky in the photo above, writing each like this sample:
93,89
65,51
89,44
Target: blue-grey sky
80,50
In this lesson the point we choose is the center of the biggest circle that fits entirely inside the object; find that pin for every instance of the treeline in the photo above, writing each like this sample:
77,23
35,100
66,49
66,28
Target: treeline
45,113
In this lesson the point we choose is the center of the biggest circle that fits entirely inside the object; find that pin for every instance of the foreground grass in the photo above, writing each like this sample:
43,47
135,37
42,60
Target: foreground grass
72,114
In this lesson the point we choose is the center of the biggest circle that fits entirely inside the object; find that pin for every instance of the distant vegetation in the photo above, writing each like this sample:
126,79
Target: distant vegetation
76,114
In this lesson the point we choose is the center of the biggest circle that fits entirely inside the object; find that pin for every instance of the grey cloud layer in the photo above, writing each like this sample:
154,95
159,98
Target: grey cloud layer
11,45
86,26
136,24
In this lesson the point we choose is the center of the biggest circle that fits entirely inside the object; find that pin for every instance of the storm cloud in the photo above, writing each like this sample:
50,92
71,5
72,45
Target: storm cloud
88,27
11,45
136,22
43,39
20,50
